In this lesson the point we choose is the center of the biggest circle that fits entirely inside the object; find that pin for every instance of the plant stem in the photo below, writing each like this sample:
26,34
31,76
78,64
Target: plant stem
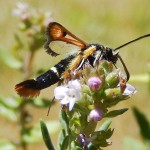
23,111
28,64
23,124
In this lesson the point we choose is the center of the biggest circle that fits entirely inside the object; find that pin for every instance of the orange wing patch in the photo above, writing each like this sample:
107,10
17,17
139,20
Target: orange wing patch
56,32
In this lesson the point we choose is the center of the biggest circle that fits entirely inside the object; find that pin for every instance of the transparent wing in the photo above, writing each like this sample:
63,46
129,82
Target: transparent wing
59,35
63,48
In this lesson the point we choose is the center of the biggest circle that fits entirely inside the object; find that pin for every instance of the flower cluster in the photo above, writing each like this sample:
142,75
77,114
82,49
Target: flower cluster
33,24
68,94
88,100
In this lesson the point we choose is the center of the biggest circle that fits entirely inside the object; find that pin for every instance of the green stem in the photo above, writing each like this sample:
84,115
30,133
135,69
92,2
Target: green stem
23,124
28,64
23,111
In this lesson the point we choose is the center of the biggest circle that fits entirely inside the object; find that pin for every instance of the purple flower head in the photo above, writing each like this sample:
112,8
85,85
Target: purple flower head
94,83
129,90
83,141
96,114
69,94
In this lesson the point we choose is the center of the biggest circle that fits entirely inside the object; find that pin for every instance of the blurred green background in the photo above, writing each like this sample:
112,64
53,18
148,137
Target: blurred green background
111,23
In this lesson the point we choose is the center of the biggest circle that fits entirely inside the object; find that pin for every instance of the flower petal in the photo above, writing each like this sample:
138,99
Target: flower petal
71,104
74,84
64,101
130,90
60,92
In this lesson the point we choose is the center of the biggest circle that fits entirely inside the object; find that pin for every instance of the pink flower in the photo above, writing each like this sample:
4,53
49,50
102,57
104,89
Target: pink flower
94,83
129,90
69,94
96,114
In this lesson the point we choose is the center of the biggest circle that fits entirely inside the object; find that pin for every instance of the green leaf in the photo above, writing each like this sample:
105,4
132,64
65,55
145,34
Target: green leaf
33,135
92,147
77,148
61,138
90,127
65,143
11,102
6,145
100,138
8,113
143,124
115,113
133,144
64,120
46,136
105,125
8,59
40,102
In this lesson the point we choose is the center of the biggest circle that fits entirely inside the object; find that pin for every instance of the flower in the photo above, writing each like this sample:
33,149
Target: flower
94,83
96,114
83,141
21,11
129,90
68,94
47,18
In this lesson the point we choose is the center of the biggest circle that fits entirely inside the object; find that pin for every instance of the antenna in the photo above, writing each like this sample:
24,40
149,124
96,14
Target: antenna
139,38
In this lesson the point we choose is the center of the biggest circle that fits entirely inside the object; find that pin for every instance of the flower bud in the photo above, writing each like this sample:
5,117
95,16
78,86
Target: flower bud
107,66
96,114
101,73
112,79
112,94
94,83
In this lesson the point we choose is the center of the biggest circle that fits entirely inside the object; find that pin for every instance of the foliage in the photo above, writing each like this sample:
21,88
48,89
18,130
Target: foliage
144,126
32,24
85,102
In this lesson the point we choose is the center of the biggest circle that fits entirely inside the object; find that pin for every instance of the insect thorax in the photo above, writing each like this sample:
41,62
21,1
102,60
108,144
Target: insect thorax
106,53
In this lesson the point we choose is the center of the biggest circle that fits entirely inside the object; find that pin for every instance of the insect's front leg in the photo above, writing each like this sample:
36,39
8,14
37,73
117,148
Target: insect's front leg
80,65
97,58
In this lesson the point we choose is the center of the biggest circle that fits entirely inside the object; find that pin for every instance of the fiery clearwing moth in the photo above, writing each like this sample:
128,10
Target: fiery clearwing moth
57,36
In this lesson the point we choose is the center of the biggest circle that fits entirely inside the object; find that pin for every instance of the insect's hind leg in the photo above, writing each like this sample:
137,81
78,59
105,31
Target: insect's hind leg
52,101
80,65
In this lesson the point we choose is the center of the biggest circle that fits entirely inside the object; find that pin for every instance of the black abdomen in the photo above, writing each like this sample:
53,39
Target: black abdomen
53,75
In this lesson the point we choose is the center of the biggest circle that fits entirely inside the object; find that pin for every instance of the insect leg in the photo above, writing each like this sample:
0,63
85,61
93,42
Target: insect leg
97,58
125,68
50,106
80,66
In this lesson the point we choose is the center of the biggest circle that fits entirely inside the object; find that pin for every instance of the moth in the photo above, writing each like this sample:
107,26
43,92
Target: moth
57,37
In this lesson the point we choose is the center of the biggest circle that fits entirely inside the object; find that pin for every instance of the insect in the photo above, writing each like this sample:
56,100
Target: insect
57,34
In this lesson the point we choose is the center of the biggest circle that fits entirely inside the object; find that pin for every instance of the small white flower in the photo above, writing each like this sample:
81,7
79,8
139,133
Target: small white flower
48,18
129,90
22,10
69,94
